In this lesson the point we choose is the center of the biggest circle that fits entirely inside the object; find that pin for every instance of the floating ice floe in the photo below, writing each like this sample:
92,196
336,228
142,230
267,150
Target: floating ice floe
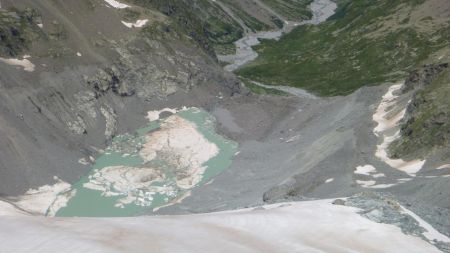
387,123
137,24
183,147
26,64
133,185
116,4
309,226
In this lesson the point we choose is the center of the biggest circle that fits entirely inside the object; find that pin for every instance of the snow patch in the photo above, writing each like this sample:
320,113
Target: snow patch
366,184
154,115
40,201
26,64
116,4
365,170
137,24
387,123
445,166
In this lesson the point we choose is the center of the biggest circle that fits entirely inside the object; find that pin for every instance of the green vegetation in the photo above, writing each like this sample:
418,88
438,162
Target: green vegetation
362,44
261,90
428,125
202,20
291,9
130,15
17,30
250,21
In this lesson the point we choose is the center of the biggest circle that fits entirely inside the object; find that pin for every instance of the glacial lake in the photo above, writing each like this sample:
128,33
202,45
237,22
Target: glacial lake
124,183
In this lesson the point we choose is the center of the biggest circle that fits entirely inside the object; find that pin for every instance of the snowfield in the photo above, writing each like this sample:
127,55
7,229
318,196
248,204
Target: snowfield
313,226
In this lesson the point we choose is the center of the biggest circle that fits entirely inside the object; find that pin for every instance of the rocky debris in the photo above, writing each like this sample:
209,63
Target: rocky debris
339,202
422,77
111,121
110,78
287,191
77,126
85,102
383,208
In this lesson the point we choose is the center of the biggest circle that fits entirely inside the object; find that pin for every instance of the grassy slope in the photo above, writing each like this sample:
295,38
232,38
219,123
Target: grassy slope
202,20
429,125
348,51
291,9
17,30
250,21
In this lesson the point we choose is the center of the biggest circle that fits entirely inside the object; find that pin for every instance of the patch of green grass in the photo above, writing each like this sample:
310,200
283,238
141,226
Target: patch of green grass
201,20
250,21
261,90
130,15
225,49
341,55
18,30
291,9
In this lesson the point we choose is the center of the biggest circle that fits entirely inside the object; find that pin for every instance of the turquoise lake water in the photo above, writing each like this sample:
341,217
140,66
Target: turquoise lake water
124,151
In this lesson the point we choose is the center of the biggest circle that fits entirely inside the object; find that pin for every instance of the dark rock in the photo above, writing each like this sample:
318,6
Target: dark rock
339,202
101,82
419,78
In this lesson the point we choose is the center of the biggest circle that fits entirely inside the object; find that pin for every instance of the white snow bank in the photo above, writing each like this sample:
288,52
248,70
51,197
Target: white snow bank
314,226
116,4
8,209
26,64
137,24
45,199
387,123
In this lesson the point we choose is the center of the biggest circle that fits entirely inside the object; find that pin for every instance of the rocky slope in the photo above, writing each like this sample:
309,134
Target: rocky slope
88,83
76,74
426,125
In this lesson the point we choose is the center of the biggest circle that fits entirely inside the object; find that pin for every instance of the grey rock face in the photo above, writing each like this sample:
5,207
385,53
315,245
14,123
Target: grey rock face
419,78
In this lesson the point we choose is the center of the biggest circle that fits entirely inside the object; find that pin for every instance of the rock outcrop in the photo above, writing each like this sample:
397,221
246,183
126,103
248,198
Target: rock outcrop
426,124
